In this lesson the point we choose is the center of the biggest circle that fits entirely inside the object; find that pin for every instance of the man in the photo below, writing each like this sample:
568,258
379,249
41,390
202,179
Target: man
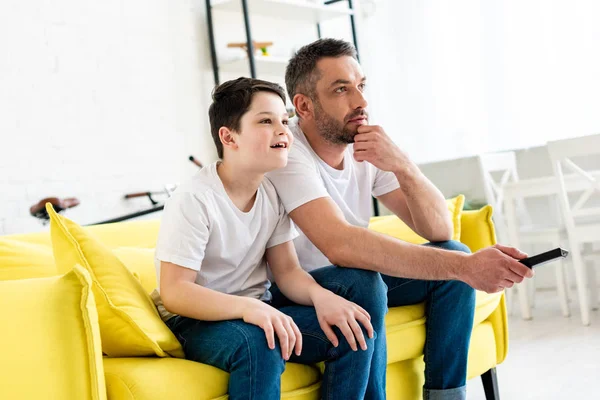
338,162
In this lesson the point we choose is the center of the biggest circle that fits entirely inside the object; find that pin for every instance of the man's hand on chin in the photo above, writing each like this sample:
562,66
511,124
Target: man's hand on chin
373,145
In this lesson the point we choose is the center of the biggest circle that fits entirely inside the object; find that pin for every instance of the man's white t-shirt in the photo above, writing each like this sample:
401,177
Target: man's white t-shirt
307,177
201,229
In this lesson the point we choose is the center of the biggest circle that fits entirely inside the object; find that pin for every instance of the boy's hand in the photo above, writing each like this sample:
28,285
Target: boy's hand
333,310
273,321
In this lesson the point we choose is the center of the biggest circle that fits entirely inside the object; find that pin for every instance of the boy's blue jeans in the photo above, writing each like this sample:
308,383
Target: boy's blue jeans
255,370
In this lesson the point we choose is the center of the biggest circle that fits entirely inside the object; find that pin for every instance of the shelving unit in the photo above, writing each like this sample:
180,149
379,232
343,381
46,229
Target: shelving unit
297,10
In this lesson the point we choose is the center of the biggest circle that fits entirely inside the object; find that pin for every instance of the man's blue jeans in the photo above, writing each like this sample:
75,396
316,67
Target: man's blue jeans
255,370
450,306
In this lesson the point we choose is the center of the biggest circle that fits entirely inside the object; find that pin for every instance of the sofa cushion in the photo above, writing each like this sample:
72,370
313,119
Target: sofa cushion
23,260
478,228
405,326
140,262
129,323
170,378
394,226
50,339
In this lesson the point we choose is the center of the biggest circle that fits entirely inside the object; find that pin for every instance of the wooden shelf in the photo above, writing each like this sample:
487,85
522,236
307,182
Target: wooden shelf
285,9
270,65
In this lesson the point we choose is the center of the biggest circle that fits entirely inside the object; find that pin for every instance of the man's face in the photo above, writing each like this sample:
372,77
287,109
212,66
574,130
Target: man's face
339,103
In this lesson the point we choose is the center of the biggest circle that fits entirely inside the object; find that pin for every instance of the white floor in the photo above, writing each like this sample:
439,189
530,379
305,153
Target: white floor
550,357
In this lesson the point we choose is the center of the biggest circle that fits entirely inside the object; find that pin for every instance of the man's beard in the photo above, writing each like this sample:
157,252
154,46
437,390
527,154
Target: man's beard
332,130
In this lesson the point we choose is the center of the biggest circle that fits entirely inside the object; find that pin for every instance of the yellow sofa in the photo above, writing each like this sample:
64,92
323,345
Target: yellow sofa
142,378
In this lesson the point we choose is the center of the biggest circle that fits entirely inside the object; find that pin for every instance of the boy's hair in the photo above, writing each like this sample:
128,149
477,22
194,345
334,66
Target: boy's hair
301,74
231,100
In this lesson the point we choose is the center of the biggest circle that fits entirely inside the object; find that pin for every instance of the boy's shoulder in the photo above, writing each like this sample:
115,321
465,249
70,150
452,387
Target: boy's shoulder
202,186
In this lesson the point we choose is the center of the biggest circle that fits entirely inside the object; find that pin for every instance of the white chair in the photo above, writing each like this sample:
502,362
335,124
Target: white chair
514,225
582,219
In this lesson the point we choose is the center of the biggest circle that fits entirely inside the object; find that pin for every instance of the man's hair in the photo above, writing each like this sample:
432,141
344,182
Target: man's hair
231,100
301,74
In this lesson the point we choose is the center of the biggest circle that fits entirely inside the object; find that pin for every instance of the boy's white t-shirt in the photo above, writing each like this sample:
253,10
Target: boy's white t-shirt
201,229
307,177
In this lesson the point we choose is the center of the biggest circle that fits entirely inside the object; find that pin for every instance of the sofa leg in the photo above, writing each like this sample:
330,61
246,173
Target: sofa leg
490,385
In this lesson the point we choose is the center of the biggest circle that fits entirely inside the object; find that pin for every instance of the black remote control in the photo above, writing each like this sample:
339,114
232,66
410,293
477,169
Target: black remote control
544,258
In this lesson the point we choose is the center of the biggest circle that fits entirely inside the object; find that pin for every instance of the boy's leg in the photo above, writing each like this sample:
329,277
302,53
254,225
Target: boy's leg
348,374
235,347
450,306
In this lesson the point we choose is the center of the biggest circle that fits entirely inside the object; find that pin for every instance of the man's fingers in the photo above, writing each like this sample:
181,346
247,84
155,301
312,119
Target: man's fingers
358,334
511,251
330,334
366,322
361,146
520,269
514,277
348,334
270,335
364,136
283,338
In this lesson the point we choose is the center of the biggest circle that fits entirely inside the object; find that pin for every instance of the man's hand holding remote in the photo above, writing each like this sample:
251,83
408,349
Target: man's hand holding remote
494,268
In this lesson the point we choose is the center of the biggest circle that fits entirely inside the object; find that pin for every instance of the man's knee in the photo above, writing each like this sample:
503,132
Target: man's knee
367,289
452,245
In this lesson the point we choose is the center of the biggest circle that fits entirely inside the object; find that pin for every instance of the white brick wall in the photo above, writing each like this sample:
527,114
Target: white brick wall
98,99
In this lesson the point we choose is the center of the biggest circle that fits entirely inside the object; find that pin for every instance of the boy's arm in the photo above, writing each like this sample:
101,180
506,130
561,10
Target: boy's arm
332,310
181,295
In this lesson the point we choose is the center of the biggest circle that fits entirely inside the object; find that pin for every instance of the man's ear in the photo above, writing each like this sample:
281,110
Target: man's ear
304,106
228,138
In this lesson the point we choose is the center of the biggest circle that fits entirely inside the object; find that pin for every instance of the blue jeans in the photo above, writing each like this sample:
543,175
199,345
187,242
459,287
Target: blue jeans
255,370
450,307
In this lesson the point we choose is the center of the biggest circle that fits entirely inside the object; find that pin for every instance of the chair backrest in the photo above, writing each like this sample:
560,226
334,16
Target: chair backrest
497,169
566,155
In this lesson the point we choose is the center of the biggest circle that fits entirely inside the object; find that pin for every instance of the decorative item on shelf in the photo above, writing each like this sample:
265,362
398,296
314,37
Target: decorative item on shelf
262,46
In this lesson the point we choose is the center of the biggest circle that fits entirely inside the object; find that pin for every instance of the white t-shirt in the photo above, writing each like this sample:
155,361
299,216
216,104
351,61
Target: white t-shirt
203,230
307,177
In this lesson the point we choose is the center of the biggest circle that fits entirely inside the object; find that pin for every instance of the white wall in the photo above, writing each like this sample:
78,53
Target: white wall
455,78
98,99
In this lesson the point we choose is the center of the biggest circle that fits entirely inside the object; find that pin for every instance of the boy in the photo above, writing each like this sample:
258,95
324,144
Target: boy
218,233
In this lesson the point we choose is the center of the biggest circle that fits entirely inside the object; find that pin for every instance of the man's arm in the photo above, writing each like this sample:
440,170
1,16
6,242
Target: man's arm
322,221
418,202
421,206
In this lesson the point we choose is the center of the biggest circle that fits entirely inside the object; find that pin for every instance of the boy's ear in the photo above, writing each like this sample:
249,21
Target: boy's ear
228,138
304,106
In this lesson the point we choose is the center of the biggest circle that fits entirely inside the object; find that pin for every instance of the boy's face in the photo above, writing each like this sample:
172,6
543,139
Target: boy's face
264,139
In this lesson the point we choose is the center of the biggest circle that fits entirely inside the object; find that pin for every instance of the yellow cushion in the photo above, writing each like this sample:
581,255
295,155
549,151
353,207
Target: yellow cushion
50,339
478,228
22,260
170,378
140,262
394,226
127,234
129,323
